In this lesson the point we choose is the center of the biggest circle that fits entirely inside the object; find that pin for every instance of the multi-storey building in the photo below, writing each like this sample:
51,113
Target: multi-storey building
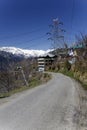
45,61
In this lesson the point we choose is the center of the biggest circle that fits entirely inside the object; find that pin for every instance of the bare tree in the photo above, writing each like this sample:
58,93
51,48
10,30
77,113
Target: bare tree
81,40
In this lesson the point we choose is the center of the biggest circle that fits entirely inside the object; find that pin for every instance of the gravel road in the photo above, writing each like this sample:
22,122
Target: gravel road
47,107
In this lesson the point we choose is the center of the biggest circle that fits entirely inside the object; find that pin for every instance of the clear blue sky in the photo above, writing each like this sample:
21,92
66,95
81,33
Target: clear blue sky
24,23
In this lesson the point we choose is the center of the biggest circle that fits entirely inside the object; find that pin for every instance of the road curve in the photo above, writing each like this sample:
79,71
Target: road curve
48,107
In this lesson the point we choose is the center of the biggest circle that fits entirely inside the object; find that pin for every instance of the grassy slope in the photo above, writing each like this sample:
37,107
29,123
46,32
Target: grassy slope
33,83
71,74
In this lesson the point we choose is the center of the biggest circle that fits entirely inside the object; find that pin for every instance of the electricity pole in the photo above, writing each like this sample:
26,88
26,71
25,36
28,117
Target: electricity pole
22,72
56,34
24,77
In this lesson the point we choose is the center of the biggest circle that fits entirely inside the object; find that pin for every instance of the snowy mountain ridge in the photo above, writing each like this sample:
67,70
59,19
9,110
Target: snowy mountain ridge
25,52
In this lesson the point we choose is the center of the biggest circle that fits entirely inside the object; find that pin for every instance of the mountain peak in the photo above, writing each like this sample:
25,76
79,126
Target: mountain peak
25,52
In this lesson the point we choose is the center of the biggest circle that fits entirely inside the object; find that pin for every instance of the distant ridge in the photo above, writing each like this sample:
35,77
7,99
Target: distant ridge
25,52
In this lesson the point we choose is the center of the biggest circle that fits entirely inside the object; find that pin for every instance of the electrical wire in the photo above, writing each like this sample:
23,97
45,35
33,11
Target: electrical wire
21,34
73,13
7,37
28,41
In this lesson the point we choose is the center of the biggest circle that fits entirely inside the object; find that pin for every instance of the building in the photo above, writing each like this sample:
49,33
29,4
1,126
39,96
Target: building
41,64
45,61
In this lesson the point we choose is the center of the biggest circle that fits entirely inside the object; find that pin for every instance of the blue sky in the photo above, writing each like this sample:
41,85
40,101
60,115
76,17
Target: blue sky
24,23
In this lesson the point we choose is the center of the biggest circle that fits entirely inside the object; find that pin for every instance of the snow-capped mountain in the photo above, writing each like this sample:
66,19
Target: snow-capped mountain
24,52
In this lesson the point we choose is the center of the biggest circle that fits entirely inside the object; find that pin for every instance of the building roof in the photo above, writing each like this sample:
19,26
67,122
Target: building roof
48,55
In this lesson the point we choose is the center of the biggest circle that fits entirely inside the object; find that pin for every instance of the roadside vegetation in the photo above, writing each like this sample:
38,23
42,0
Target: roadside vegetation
78,69
21,76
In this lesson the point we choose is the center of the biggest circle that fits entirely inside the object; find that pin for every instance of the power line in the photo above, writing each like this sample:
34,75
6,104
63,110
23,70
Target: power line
31,45
28,41
73,13
36,38
70,34
21,34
